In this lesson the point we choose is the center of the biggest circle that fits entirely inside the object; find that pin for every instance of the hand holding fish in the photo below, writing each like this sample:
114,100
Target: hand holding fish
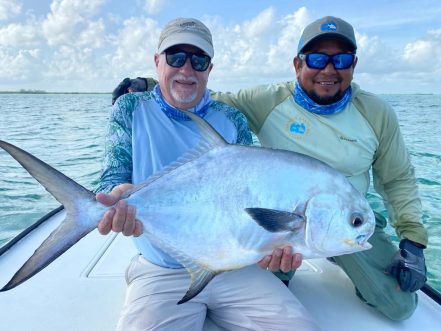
121,218
281,259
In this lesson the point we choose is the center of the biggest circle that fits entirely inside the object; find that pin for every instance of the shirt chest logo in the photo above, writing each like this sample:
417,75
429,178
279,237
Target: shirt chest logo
298,127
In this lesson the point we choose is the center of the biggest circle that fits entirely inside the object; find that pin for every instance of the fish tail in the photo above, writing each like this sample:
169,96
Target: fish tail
76,200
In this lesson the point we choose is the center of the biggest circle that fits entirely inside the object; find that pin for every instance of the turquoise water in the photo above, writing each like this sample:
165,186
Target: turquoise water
67,131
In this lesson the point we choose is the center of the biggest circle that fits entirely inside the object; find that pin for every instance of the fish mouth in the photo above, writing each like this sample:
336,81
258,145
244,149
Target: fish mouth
361,240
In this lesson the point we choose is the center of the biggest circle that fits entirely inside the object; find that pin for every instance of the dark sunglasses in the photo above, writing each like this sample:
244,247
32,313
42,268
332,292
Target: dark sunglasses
320,60
177,58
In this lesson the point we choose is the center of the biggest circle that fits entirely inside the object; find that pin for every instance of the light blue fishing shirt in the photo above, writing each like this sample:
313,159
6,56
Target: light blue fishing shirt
142,140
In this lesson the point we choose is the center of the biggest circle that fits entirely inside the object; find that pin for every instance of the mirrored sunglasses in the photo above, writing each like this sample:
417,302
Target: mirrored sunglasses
177,59
340,61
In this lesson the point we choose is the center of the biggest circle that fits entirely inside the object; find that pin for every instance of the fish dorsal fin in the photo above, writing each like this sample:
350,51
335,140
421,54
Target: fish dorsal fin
277,220
200,276
210,139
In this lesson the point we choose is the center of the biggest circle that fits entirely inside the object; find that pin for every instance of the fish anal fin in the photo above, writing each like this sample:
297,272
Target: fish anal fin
276,220
200,277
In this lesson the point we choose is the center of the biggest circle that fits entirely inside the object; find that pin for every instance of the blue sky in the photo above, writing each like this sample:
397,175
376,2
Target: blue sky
90,45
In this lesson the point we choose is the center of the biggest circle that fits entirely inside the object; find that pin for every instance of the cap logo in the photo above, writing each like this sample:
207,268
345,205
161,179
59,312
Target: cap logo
329,26
188,25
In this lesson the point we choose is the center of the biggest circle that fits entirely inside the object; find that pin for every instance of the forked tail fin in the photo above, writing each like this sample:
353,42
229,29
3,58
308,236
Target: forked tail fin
76,200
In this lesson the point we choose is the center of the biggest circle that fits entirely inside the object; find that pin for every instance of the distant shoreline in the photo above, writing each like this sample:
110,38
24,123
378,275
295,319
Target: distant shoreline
44,92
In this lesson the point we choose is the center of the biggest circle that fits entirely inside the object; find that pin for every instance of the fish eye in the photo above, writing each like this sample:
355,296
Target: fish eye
357,220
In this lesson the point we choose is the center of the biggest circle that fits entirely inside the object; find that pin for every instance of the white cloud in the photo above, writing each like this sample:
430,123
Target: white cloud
19,66
375,56
415,67
425,54
154,6
93,35
67,19
418,52
20,35
9,8
259,24
72,63
258,51
414,57
283,51
136,43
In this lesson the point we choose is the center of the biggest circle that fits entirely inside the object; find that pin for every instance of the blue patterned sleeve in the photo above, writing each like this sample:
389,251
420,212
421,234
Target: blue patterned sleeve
117,164
244,136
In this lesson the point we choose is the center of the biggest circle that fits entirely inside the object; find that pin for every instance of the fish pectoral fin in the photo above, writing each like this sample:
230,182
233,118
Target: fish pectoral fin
276,220
199,279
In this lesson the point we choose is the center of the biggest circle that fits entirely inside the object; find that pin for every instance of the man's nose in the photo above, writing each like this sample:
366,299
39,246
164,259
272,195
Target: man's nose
187,66
329,67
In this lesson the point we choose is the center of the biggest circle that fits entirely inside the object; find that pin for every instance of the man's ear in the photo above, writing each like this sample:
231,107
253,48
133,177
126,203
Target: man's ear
210,67
156,59
297,63
355,62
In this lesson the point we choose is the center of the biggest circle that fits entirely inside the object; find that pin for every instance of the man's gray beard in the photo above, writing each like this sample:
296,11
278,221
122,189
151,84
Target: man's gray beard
183,99
178,97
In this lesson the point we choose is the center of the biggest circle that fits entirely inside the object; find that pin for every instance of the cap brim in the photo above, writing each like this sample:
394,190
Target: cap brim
328,36
187,39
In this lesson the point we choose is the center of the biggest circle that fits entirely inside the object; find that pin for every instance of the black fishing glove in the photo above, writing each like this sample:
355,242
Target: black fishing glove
121,89
139,84
408,267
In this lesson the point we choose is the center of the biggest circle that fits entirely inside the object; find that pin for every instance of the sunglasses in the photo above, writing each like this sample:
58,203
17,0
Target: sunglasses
177,59
340,61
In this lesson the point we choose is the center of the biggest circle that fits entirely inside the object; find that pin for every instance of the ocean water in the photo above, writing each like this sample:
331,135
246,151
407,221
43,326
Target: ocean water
67,131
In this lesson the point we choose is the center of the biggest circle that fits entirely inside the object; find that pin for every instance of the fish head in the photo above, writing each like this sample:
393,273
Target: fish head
337,226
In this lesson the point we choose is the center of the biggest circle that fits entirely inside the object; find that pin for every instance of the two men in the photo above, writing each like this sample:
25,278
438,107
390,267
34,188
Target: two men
325,115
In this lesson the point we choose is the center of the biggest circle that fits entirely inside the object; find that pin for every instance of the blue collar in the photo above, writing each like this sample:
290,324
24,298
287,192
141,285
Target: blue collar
174,113
305,101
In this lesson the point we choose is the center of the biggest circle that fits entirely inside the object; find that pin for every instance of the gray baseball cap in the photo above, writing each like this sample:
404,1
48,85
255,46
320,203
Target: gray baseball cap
188,31
327,27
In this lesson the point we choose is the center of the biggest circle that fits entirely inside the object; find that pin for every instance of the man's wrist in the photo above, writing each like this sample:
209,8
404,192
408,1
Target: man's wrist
411,246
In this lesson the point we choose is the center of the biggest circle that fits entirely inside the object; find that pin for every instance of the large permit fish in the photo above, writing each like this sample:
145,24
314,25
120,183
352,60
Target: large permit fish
218,208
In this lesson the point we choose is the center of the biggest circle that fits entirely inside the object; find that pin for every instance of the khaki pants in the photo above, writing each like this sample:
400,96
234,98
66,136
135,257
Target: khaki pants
250,299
